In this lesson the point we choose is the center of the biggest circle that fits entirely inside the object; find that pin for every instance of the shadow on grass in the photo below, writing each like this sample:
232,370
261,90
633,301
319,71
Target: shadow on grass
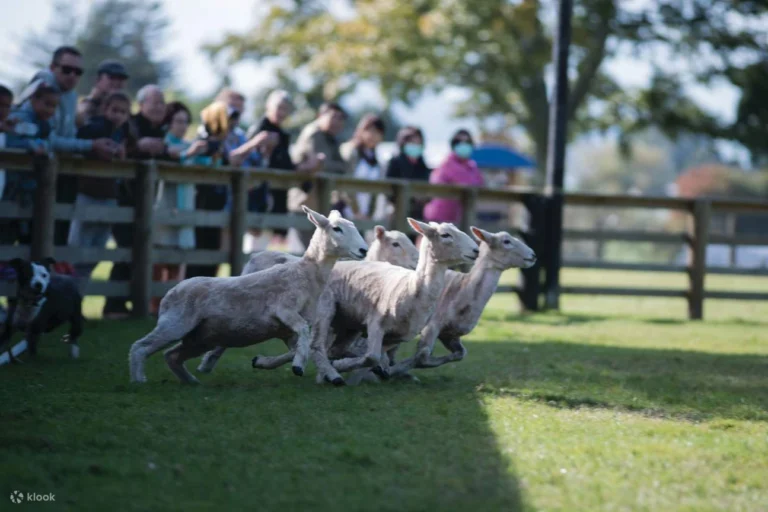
244,439
568,319
689,384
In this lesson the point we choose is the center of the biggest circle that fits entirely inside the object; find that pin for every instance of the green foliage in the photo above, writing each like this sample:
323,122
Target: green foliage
131,31
500,50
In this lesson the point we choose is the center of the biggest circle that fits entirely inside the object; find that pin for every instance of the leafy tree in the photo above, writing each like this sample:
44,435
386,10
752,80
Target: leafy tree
500,50
131,31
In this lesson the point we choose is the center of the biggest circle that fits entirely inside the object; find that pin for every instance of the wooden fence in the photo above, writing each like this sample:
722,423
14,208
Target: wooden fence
142,255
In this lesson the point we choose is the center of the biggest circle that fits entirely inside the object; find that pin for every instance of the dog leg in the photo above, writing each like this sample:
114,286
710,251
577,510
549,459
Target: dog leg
75,331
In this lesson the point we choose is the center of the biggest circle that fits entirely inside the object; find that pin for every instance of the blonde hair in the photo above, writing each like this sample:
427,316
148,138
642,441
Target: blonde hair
216,118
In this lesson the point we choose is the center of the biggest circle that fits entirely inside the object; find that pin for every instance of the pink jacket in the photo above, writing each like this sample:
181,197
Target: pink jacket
453,171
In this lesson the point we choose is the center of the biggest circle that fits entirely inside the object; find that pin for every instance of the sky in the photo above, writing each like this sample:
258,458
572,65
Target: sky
191,27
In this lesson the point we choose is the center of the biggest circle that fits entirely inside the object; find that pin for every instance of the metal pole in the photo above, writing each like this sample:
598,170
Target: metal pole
558,125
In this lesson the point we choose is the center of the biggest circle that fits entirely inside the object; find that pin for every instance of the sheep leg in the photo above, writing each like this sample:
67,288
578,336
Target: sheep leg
458,351
272,362
323,336
177,355
299,325
166,332
372,357
210,359
427,343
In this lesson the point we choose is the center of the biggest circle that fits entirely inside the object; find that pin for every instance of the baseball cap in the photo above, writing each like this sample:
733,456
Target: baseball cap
112,68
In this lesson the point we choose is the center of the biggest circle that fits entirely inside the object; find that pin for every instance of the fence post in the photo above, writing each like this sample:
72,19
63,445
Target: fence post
534,238
468,208
324,189
730,230
141,282
702,211
402,206
43,215
237,222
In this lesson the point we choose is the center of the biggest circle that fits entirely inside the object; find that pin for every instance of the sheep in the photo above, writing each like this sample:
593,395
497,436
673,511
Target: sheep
206,312
464,298
388,302
389,246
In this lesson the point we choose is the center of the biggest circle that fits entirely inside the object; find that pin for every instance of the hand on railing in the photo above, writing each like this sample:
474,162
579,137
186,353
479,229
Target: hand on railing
150,145
105,148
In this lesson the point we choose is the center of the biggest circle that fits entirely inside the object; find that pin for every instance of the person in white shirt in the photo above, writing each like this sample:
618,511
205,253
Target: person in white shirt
360,154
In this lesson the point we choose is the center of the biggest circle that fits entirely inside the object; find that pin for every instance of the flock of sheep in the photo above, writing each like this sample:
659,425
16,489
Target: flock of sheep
349,316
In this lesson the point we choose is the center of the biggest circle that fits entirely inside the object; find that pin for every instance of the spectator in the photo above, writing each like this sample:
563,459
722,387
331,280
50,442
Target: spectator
279,106
6,100
64,73
99,191
31,132
217,125
360,155
111,76
145,140
457,169
318,139
409,164
176,196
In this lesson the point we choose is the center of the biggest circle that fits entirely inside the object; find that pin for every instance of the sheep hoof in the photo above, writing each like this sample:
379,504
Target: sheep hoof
254,362
381,372
298,371
338,381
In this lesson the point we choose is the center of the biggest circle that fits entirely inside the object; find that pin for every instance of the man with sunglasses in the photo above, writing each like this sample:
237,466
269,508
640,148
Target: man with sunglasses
64,74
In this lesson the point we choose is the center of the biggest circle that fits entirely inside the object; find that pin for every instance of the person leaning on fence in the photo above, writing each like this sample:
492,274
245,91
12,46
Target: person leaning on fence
176,196
409,164
31,132
6,102
64,73
86,229
319,140
216,126
457,169
111,76
279,106
145,140
360,154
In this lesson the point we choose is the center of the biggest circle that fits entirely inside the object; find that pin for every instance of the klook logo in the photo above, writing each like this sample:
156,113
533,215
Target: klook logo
19,497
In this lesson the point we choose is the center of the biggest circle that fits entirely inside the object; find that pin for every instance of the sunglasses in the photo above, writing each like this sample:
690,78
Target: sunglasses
68,70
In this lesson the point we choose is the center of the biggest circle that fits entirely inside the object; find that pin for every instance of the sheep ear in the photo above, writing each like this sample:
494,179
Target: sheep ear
420,227
481,235
315,218
380,232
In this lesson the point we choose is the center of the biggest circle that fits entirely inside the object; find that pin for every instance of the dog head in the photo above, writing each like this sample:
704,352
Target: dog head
32,277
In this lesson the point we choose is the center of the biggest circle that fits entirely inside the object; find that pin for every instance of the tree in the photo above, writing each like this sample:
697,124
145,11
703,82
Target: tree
499,50
129,30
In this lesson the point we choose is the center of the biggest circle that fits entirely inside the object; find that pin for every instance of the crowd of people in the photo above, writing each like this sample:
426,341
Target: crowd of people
48,117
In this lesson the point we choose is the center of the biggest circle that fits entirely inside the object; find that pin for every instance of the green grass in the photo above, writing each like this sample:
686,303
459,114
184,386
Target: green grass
615,404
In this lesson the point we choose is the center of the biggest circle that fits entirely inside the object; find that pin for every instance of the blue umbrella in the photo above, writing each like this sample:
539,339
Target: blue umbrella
500,157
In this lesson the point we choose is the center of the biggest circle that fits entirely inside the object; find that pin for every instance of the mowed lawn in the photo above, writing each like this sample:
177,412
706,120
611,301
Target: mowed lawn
613,404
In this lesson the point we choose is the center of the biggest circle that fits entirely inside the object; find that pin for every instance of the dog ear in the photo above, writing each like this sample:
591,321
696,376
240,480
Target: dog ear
48,263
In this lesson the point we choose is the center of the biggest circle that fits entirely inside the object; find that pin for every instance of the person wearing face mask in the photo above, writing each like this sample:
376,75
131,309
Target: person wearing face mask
409,164
457,169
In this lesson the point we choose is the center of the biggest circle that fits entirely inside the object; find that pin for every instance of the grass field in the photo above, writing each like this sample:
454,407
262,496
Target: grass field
615,404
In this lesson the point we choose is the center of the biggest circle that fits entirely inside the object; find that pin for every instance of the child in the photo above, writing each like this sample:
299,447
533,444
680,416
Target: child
31,131
99,191
6,100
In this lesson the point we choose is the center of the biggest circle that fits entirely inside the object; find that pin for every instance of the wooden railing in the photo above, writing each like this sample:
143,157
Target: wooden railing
142,255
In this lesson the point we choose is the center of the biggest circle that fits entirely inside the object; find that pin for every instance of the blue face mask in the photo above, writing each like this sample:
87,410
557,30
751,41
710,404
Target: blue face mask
463,149
412,150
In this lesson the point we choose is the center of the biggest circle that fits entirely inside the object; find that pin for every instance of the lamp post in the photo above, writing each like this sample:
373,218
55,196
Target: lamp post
558,124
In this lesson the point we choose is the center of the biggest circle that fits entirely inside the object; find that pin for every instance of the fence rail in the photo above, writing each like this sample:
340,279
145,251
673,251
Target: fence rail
142,255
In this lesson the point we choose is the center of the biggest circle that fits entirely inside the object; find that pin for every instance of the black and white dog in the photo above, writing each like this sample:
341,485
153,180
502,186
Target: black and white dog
43,302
